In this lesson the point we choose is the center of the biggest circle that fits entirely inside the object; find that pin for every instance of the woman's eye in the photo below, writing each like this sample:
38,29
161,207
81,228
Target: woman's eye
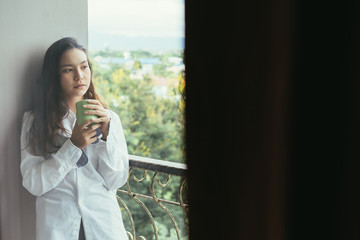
67,70
85,67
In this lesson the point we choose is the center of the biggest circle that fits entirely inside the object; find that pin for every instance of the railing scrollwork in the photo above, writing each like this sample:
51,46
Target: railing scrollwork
158,167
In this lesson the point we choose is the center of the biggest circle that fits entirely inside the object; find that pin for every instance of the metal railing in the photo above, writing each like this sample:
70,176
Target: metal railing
153,171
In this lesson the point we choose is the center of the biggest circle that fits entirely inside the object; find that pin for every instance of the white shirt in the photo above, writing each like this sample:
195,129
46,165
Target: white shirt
66,194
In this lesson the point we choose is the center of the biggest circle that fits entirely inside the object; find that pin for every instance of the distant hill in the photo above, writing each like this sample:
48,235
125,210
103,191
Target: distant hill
98,41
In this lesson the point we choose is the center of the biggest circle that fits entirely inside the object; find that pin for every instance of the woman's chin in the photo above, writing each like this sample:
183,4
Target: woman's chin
80,92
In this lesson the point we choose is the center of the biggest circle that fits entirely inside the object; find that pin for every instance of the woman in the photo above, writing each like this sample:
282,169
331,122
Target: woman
73,171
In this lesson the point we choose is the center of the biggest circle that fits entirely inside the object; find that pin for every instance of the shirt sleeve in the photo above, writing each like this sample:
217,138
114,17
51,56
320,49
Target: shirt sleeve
40,175
113,155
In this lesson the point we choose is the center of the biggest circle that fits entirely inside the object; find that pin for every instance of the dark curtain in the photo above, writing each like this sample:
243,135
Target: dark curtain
272,126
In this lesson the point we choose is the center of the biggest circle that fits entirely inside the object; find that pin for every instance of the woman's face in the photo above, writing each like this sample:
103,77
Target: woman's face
75,74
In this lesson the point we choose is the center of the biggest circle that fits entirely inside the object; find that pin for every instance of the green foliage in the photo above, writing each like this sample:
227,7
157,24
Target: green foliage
152,124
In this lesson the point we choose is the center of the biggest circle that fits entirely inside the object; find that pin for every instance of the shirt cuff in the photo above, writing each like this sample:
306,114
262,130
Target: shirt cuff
69,154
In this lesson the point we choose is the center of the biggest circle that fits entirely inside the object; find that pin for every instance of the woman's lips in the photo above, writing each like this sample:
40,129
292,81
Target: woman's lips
81,86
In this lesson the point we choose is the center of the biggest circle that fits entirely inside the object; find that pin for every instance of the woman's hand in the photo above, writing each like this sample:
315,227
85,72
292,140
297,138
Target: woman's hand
100,111
83,135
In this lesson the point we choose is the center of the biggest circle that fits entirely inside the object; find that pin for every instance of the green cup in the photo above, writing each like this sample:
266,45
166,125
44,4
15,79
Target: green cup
81,117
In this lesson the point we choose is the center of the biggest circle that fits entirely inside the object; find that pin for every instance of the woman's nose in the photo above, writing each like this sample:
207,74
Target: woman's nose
78,74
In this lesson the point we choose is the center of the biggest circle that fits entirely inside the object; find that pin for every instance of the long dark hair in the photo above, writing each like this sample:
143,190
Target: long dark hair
49,105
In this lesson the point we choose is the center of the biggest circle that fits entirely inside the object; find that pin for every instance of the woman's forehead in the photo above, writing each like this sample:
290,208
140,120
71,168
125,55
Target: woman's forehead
73,57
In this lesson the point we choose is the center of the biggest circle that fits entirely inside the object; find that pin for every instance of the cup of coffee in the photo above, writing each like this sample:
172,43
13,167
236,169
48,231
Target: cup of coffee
81,117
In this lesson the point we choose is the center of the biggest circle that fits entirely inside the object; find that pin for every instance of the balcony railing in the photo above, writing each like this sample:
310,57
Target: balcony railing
156,196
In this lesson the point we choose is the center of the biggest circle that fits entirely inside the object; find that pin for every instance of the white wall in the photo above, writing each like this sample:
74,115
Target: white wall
27,28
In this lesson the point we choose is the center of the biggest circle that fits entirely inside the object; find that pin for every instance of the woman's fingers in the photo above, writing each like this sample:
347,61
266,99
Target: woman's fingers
100,113
86,123
92,129
93,104
94,101
102,119
97,109
84,134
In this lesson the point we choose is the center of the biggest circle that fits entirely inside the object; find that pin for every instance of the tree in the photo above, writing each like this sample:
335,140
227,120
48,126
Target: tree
153,125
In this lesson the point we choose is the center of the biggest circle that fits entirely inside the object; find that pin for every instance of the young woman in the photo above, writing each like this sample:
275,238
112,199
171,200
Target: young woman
74,170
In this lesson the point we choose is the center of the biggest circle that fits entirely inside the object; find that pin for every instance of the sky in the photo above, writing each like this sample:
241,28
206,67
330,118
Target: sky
135,18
